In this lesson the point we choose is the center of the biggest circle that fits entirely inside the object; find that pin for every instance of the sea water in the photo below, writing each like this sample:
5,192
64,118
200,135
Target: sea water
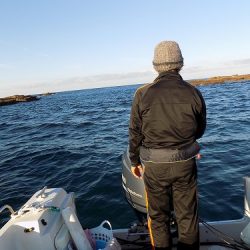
75,140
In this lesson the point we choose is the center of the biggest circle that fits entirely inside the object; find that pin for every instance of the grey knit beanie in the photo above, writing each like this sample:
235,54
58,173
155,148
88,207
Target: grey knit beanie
167,56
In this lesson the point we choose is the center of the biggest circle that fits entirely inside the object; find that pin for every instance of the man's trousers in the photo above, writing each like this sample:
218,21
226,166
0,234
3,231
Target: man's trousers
180,178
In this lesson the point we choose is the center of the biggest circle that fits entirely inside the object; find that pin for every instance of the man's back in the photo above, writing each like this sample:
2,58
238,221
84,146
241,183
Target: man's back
171,111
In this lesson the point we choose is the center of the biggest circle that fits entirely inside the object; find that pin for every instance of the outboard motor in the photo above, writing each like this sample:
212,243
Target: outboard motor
134,188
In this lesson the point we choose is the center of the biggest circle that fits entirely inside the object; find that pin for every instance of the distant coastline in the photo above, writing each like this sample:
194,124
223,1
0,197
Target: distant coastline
198,82
220,80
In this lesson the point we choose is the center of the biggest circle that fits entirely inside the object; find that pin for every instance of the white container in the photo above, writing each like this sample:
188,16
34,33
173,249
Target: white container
104,237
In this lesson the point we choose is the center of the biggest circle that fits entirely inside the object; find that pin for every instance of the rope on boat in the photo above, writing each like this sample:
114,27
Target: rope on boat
237,245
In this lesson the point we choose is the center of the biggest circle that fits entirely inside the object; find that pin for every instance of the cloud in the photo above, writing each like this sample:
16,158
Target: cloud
108,79
240,66
239,62
77,83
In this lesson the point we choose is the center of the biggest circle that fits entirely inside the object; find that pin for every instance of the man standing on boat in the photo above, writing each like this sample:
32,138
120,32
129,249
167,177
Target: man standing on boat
167,117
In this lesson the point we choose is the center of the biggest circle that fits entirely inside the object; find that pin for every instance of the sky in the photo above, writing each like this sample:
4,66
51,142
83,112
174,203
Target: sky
58,45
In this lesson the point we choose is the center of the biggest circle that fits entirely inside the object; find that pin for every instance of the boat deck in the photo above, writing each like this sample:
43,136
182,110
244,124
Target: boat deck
213,236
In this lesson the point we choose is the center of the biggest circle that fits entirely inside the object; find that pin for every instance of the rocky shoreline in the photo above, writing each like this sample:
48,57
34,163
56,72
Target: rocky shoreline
17,99
22,98
220,80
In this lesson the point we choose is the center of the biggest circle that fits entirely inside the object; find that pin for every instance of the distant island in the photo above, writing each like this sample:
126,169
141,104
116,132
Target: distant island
21,98
46,94
17,98
220,79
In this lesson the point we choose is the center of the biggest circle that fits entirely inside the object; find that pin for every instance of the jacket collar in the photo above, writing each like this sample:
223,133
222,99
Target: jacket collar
168,74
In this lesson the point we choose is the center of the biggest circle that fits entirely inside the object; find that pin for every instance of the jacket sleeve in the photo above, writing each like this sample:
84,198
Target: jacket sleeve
201,117
135,133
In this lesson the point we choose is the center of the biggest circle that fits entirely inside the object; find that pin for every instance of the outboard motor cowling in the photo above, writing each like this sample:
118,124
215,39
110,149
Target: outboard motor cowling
134,188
